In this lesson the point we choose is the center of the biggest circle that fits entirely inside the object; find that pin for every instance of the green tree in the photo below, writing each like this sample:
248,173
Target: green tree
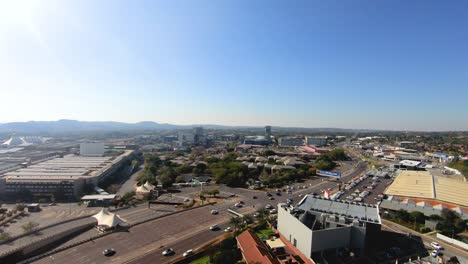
30,226
20,207
403,215
166,181
213,192
128,196
4,236
180,179
418,217
235,221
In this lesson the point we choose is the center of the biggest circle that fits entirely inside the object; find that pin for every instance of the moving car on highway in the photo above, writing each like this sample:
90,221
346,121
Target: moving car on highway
168,252
187,253
108,252
436,245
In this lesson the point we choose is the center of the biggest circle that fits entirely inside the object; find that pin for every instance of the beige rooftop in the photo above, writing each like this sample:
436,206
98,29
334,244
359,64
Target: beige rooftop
421,184
412,184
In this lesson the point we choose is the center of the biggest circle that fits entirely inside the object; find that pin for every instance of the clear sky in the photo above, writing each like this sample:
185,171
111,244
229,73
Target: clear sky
350,64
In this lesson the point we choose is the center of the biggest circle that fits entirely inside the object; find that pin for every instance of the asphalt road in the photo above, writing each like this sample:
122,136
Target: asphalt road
448,251
188,230
142,239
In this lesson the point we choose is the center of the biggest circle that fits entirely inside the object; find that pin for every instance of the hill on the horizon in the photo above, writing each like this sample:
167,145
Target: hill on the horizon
64,125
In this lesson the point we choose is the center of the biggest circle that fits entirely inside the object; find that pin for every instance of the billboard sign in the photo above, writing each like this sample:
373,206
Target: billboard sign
329,173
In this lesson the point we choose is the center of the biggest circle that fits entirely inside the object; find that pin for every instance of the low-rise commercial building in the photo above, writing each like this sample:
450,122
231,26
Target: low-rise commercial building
423,192
319,224
316,141
291,141
61,176
257,140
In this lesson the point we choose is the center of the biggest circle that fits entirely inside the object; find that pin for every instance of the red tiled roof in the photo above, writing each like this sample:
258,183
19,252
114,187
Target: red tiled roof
254,249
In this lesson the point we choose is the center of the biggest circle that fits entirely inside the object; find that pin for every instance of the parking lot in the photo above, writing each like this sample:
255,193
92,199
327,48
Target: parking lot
365,189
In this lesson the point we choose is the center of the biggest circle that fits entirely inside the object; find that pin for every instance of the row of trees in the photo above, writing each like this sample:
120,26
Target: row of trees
450,223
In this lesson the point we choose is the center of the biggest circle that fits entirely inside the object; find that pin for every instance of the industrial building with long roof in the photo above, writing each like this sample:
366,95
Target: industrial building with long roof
421,191
66,174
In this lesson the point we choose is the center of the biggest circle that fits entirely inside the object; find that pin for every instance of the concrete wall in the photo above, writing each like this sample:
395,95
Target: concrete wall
291,228
331,238
452,241
53,238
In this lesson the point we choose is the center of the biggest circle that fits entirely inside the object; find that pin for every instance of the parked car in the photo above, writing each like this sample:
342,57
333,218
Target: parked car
108,252
434,253
273,211
187,253
214,212
168,252
214,227
238,205
268,206
228,229
186,200
271,198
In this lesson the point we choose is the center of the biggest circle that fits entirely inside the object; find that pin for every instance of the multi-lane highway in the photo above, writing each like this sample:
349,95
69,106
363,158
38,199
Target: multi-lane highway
186,230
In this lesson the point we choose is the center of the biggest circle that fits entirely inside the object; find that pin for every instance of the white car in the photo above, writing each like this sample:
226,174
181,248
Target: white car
434,253
268,207
273,211
228,229
214,212
238,205
187,253
436,245
168,252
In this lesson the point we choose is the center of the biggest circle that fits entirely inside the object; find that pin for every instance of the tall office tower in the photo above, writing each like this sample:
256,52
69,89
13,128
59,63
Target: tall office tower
268,132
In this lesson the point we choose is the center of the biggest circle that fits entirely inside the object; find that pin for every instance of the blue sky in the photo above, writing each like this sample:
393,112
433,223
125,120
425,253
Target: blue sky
349,64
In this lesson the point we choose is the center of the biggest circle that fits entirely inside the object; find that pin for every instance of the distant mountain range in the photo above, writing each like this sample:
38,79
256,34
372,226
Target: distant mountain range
65,126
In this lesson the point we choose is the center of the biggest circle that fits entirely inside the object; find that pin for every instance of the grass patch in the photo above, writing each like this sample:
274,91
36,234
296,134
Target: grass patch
265,233
202,260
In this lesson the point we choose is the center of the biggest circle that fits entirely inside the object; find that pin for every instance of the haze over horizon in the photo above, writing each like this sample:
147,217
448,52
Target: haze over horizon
378,65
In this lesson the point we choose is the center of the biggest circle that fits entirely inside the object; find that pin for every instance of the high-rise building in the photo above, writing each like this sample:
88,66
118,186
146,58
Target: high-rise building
268,132
198,135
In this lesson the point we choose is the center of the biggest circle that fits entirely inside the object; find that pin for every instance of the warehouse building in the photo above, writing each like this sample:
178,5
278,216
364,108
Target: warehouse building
66,176
423,192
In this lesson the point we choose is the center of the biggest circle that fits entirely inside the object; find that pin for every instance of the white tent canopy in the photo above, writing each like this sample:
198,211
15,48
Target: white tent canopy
106,218
148,185
142,189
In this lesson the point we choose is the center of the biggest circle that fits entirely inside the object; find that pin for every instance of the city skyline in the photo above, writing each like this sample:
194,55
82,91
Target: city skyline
390,66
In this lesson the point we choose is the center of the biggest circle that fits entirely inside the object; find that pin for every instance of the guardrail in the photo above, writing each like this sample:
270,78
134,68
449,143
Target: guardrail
235,213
